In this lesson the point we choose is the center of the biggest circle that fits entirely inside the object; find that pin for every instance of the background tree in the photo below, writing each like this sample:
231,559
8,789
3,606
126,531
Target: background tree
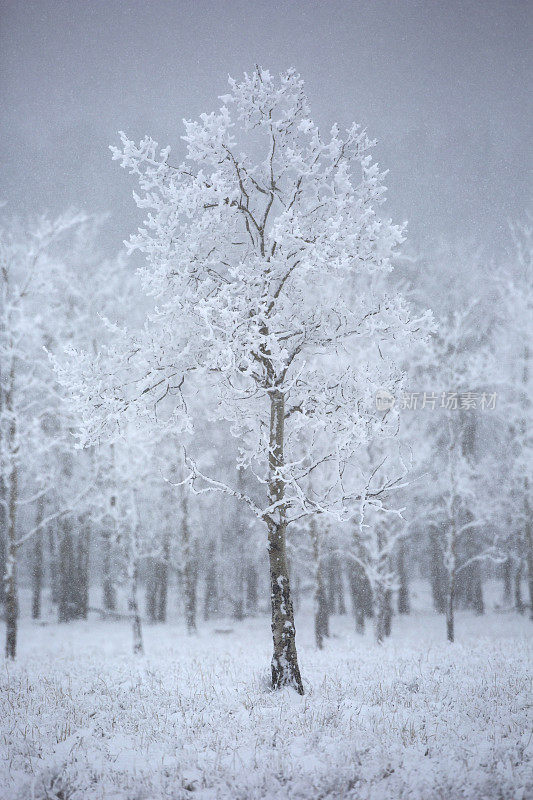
27,262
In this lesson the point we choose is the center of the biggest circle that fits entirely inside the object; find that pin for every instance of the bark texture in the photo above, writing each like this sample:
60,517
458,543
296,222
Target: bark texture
285,669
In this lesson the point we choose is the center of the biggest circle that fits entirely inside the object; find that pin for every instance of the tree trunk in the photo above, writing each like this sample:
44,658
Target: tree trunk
211,584
2,568
284,665
54,564
320,599
450,558
387,621
339,573
252,594
162,569
528,536
3,539
83,571
109,595
11,601
356,579
237,582
451,563
478,603
518,601
66,606
335,593
507,575
450,622
380,620
237,596
469,584
151,590
37,564
450,589
528,532
437,572
133,607
403,591
190,570
285,669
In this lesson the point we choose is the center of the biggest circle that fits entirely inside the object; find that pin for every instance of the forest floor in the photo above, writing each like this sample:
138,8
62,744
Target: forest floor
81,718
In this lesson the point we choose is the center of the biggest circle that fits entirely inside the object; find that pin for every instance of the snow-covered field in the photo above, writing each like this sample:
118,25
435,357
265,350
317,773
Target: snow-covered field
83,719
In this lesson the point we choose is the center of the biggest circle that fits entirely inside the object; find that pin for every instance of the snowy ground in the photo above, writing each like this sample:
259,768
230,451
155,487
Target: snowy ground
81,718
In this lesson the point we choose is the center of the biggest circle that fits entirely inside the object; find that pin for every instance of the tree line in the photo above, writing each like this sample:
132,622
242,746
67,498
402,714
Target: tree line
266,382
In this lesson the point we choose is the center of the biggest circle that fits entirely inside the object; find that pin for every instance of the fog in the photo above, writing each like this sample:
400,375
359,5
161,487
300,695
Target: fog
443,86
266,454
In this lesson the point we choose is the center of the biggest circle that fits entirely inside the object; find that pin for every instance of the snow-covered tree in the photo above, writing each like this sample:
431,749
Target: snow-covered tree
28,261
460,366
514,335
261,266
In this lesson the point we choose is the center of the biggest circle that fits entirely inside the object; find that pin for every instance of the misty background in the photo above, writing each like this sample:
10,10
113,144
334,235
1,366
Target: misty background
443,86
297,472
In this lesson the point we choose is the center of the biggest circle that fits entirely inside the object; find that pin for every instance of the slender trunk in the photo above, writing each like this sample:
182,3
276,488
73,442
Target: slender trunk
387,617
339,574
54,564
518,601
329,584
2,568
528,532
450,622
252,594
66,606
450,590
83,571
151,590
37,565
238,583
507,575
163,579
190,571
469,584
528,536
109,595
382,591
356,578
320,600
285,669
450,559
360,589
133,606
335,590
3,539
478,604
237,597
368,597
437,572
403,591
11,601
211,584
380,613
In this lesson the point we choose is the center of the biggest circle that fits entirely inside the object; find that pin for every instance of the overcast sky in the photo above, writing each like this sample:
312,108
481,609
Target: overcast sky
442,84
